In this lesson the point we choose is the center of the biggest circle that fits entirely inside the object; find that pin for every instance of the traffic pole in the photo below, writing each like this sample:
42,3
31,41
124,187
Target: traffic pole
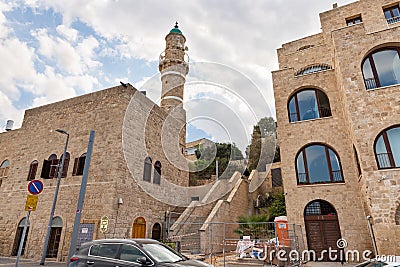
81,198
21,244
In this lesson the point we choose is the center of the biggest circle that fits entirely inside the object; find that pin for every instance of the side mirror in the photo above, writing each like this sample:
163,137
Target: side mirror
142,260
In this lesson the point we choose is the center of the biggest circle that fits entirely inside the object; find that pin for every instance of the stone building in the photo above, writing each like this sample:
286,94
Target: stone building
138,148
338,113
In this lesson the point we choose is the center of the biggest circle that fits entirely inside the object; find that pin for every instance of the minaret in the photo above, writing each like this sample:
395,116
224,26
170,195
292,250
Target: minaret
174,67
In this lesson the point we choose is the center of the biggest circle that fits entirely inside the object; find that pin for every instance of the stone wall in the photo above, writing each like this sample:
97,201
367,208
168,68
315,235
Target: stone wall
358,116
109,177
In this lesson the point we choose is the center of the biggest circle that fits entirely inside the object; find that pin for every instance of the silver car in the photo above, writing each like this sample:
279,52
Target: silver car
130,252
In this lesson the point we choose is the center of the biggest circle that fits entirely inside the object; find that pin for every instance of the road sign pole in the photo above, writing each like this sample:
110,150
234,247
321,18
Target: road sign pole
21,244
81,198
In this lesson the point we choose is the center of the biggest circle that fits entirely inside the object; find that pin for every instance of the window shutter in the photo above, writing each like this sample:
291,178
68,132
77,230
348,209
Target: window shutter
32,171
65,168
81,165
53,168
46,169
76,166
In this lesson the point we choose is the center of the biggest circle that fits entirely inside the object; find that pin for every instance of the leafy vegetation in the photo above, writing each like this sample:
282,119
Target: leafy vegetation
263,149
205,165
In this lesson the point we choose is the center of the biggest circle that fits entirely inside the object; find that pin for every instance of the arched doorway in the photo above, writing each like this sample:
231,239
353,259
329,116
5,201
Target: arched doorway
322,227
18,237
55,236
156,231
139,228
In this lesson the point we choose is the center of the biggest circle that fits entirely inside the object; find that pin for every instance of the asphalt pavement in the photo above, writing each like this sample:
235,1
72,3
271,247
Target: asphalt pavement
10,262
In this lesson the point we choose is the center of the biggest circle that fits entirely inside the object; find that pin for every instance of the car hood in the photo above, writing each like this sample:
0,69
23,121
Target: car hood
188,263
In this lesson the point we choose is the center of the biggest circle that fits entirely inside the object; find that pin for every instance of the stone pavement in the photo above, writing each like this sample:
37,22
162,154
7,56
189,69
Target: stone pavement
10,262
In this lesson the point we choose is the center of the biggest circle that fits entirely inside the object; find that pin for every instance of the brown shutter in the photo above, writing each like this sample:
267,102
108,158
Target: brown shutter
32,171
81,165
76,165
65,168
46,169
54,168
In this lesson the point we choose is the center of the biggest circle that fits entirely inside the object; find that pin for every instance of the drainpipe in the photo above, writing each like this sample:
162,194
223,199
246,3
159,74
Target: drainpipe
371,232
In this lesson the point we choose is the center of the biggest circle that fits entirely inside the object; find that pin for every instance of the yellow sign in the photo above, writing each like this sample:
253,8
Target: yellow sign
103,224
31,202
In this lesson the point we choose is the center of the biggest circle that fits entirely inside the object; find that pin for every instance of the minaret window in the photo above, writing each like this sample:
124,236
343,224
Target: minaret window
147,169
157,173
308,104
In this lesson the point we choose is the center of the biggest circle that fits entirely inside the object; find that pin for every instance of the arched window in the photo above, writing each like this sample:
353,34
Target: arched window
147,169
313,68
381,68
308,104
387,148
55,237
18,237
50,166
318,164
319,207
32,170
157,173
5,165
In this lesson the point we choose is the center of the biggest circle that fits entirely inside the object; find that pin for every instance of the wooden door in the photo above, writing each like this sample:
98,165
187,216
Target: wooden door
322,227
139,228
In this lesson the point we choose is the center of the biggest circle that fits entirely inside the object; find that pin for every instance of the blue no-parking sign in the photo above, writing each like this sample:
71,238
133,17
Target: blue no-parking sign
35,187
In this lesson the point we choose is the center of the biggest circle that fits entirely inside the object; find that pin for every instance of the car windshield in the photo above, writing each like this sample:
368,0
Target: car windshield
161,253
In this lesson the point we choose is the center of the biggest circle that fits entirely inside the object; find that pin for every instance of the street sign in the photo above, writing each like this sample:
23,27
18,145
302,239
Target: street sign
35,187
103,224
31,202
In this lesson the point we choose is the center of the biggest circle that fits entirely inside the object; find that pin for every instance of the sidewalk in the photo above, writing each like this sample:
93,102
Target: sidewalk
10,262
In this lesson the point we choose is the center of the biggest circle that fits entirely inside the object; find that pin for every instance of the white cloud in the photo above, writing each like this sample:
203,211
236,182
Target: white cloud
241,34
16,67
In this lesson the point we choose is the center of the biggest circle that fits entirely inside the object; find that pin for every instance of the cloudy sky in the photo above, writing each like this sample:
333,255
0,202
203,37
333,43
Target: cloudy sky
53,50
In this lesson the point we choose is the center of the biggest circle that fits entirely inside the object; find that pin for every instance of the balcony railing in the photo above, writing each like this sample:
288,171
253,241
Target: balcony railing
337,176
393,20
370,83
384,160
302,178
293,117
325,112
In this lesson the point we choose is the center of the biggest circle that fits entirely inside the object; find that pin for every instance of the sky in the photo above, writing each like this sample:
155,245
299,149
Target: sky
54,50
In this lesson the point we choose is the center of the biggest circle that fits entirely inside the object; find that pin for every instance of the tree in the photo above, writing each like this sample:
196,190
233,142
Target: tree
267,126
205,165
255,148
273,206
261,150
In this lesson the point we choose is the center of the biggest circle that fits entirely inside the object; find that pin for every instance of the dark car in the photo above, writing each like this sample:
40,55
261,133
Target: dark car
130,252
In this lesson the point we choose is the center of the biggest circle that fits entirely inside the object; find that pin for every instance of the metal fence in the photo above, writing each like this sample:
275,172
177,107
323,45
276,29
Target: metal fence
224,244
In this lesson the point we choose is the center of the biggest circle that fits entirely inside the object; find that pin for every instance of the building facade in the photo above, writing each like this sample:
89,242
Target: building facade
129,153
338,113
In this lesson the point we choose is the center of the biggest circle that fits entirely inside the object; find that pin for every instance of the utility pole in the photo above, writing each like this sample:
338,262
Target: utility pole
81,198
53,207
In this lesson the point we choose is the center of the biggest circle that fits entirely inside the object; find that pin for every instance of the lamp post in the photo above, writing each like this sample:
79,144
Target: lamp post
60,170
